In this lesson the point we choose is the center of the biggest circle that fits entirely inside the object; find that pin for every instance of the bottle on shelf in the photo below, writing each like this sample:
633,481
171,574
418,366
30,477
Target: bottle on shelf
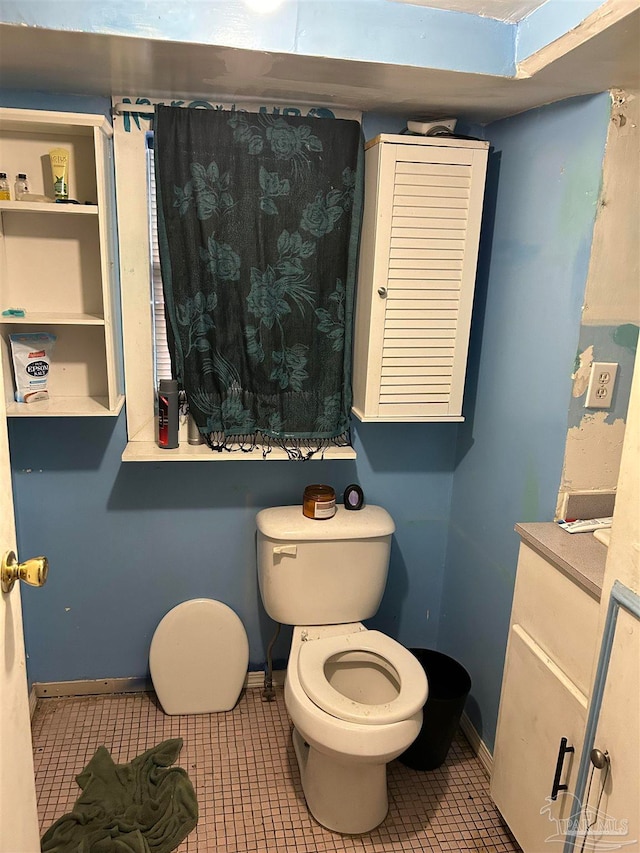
22,186
5,192
168,405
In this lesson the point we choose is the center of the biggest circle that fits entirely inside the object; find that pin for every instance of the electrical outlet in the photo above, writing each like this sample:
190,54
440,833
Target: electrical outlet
601,384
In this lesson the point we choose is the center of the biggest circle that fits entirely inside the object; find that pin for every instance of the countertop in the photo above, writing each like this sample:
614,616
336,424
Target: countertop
578,555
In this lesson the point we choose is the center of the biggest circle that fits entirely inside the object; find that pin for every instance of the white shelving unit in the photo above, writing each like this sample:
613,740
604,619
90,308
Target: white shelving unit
57,262
148,451
420,234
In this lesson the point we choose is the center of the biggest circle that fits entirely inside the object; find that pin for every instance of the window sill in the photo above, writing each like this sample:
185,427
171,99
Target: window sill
148,451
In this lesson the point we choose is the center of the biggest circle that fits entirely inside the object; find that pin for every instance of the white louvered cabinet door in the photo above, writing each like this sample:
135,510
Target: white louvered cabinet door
423,207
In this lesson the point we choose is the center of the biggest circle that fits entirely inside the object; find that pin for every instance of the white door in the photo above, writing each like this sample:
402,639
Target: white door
18,814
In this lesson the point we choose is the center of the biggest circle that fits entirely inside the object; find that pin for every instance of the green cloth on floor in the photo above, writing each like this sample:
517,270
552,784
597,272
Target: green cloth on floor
145,806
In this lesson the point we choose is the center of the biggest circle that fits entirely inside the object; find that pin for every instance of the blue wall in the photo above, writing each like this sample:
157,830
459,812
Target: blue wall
542,193
129,541
550,22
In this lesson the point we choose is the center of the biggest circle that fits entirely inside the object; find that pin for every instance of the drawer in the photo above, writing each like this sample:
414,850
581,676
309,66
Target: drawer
560,616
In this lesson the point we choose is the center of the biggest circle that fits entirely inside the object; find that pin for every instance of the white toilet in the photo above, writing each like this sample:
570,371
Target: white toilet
198,658
355,696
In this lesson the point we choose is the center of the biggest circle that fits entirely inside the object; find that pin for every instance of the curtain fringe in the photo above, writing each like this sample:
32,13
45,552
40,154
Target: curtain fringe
298,449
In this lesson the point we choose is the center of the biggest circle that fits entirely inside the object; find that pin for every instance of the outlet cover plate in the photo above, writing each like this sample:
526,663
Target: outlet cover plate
601,384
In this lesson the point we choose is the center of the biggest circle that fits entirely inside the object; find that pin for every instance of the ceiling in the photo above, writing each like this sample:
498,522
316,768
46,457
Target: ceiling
502,10
32,58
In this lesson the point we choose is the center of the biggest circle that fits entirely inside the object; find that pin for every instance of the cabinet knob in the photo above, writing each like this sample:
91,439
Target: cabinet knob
382,291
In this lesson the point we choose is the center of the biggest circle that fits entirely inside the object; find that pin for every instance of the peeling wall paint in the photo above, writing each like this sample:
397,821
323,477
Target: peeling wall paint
594,437
592,454
611,310
581,375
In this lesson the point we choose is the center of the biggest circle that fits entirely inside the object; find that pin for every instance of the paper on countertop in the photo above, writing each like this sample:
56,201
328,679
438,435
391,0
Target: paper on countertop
587,525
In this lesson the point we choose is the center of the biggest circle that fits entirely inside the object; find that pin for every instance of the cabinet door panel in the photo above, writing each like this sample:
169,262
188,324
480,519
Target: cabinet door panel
539,705
423,204
562,618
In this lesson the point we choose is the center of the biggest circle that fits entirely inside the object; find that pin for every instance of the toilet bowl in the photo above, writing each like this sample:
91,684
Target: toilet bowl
198,658
355,698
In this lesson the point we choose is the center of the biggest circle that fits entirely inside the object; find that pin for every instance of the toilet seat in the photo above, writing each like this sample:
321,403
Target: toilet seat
314,654
199,657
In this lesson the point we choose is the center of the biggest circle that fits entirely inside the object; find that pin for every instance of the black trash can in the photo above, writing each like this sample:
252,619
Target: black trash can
449,686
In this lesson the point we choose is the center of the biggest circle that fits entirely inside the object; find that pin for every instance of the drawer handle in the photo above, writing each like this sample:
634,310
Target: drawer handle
382,291
564,749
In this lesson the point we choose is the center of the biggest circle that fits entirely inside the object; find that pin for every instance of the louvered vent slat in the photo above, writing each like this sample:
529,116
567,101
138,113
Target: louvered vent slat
415,370
428,202
430,389
444,182
437,224
418,253
395,399
417,285
430,361
422,243
408,315
447,217
418,354
416,336
400,303
421,320
438,170
414,380
435,187
425,264
411,232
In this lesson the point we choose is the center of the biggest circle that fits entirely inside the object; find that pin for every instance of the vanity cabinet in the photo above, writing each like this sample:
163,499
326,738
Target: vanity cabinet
57,261
419,247
548,667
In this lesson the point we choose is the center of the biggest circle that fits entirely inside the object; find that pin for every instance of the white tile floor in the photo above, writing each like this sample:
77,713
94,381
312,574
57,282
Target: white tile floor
244,770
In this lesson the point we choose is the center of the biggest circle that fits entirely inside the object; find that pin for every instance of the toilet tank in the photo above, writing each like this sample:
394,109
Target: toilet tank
323,572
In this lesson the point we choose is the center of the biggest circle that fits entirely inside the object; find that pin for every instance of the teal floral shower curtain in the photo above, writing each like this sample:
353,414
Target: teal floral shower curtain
258,224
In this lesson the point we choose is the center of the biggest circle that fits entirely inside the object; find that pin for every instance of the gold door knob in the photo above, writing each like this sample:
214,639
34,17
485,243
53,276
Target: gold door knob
34,571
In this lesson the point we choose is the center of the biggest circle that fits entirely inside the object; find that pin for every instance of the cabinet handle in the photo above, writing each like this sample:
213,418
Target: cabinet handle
382,291
556,779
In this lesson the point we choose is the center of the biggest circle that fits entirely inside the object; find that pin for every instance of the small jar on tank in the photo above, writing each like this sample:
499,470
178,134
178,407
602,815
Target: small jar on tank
319,502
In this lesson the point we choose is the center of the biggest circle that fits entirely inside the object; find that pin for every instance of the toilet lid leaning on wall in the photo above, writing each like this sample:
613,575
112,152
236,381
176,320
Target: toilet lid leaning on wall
199,657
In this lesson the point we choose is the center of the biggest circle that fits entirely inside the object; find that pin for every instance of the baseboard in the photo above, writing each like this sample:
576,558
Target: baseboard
90,687
477,744
101,686
33,702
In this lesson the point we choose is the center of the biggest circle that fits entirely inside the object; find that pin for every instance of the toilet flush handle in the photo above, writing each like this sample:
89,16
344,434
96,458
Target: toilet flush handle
286,549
